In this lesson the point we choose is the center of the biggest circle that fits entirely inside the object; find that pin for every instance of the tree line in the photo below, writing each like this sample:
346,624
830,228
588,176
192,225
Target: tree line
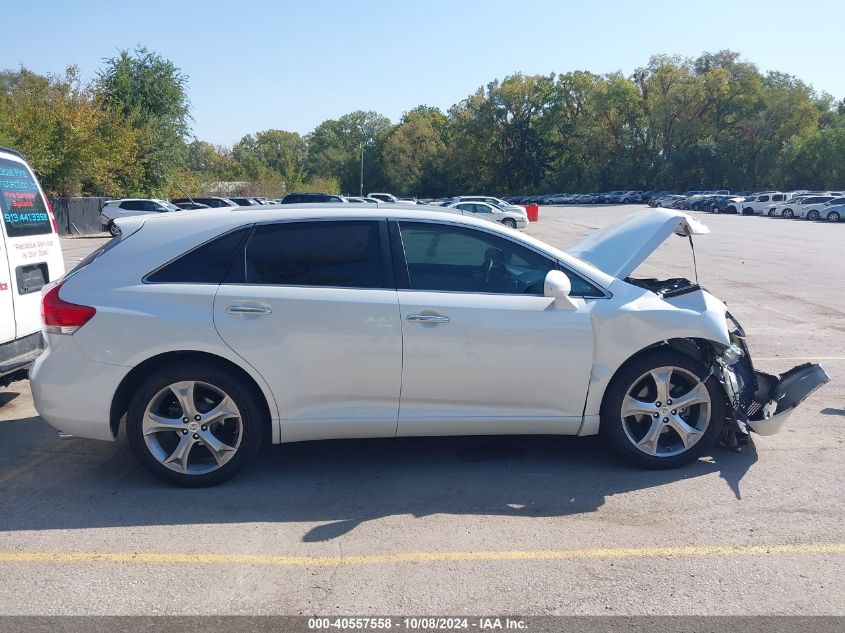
712,122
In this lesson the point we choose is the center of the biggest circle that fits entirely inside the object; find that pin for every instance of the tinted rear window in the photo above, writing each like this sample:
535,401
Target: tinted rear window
346,254
24,212
206,264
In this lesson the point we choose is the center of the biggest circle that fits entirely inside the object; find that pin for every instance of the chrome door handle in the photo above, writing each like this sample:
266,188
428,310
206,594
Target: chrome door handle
427,318
239,309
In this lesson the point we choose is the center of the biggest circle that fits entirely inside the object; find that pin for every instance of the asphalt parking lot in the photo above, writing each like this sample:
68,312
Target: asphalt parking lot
513,525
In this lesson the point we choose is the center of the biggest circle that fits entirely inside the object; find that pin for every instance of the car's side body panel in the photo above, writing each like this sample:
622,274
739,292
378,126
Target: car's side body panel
636,319
332,356
497,362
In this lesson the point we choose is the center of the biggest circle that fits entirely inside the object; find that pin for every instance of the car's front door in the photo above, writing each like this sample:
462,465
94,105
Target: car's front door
312,306
483,350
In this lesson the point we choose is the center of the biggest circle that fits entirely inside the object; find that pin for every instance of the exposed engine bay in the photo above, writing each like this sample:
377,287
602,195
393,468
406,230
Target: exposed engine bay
665,287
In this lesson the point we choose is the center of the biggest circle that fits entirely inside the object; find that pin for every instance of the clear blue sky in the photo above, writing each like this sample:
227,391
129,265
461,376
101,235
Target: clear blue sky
255,65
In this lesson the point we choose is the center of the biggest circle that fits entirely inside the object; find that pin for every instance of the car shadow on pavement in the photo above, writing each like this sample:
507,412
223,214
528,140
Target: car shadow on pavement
46,483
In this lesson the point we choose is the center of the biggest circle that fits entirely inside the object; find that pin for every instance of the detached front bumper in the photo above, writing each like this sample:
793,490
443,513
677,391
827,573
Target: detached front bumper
761,401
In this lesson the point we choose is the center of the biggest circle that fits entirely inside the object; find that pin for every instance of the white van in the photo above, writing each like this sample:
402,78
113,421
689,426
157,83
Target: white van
30,258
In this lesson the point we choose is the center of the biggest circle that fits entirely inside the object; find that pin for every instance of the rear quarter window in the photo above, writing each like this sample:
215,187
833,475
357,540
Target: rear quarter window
21,202
208,263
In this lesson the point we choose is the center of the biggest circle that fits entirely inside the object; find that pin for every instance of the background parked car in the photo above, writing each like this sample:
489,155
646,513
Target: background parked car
833,213
189,206
211,201
496,202
245,202
127,207
758,204
515,219
803,206
301,198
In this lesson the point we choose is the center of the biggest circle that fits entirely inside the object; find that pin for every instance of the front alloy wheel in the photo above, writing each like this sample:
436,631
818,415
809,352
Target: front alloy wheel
194,425
666,411
662,410
833,216
812,215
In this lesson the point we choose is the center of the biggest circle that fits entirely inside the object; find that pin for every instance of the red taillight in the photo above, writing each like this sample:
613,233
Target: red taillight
53,222
62,317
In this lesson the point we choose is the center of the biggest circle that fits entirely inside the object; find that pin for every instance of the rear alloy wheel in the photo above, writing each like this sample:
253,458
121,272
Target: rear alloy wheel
812,215
113,228
662,410
833,216
788,213
771,213
194,425
509,222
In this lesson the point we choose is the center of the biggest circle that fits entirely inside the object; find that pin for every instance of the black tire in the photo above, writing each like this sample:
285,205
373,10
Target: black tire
788,214
113,228
812,214
246,397
509,222
748,211
771,213
612,428
833,216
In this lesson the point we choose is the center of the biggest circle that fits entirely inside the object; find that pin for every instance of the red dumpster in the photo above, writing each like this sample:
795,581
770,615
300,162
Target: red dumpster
533,211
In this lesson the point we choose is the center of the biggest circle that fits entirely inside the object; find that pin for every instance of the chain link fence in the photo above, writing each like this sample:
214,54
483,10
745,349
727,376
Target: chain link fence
78,215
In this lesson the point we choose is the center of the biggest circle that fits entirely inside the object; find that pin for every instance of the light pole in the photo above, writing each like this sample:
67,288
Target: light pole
361,193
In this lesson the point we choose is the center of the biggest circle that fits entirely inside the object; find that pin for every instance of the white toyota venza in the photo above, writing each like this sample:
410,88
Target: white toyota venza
207,332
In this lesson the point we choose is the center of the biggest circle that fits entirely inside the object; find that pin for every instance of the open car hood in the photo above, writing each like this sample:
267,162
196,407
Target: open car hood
619,248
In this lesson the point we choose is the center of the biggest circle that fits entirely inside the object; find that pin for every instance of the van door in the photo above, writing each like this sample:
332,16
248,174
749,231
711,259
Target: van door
7,306
33,250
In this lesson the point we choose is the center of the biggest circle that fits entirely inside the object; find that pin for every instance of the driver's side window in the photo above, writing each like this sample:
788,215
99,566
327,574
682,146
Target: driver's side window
443,257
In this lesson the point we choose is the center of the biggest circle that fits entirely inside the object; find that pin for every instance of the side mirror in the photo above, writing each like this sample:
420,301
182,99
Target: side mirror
557,286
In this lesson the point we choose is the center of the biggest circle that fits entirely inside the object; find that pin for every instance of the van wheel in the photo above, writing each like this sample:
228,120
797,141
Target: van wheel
193,424
113,228
663,410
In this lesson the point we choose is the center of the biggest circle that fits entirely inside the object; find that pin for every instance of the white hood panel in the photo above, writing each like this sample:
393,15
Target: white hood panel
619,248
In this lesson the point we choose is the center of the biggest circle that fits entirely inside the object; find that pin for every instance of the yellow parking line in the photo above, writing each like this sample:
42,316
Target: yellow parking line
417,557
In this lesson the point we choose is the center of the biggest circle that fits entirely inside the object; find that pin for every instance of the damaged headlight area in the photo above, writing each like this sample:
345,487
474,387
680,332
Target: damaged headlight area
760,402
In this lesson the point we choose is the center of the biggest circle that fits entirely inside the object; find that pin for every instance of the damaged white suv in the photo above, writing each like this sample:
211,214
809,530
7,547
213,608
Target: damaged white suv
309,323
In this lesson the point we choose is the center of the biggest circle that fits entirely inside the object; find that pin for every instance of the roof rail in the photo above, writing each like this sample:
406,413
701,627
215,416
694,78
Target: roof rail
12,151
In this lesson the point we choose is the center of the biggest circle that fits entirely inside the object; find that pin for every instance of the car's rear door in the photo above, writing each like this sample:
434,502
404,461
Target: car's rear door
312,306
484,350
7,304
32,247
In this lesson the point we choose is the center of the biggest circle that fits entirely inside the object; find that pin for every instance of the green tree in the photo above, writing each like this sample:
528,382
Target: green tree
151,93
414,152
72,141
335,146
